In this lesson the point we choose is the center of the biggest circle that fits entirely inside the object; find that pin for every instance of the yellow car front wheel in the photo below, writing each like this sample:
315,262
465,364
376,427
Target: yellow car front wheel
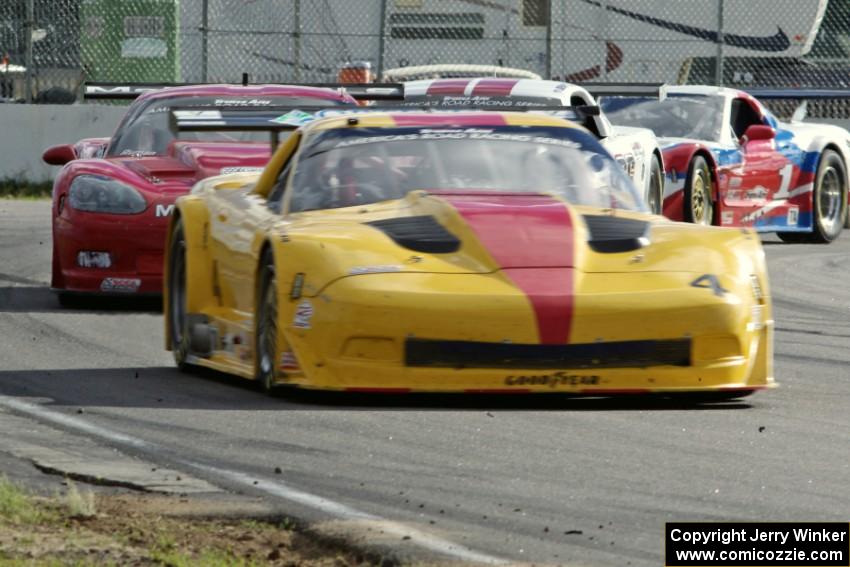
266,327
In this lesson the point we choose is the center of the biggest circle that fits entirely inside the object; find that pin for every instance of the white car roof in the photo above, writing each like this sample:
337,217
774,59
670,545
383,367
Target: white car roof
456,70
701,90
472,86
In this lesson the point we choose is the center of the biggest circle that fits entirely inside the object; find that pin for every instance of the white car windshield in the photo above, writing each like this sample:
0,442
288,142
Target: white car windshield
699,118
358,166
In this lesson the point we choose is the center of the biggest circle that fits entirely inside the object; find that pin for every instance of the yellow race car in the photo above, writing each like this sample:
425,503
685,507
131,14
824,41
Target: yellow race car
485,252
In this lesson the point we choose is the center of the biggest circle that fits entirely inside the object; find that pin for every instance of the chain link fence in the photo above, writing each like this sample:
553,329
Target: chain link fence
49,47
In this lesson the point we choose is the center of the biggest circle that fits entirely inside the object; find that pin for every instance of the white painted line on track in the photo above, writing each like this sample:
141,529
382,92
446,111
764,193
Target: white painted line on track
70,422
274,488
341,511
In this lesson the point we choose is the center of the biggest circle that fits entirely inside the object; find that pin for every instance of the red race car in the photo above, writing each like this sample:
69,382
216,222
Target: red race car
112,200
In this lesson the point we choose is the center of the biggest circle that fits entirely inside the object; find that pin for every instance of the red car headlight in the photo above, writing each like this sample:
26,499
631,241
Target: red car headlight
97,194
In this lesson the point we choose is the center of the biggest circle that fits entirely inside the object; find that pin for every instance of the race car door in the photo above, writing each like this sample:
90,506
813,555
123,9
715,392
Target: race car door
756,179
240,217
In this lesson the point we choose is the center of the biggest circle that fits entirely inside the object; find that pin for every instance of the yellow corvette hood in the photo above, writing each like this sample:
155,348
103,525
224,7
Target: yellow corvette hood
477,232
557,257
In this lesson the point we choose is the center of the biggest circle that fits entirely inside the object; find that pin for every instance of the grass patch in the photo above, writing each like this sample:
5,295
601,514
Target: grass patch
17,506
16,188
79,504
81,529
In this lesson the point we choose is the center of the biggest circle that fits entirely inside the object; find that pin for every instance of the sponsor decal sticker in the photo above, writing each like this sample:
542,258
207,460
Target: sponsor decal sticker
120,285
297,286
288,362
242,102
240,169
469,134
357,270
757,318
793,216
758,193
553,380
303,315
294,118
164,210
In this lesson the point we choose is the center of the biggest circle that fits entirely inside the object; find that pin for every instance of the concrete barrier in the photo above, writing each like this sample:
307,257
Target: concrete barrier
26,130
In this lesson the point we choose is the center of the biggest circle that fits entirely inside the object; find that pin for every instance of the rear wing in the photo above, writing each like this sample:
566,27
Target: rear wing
130,91
644,90
277,119
274,119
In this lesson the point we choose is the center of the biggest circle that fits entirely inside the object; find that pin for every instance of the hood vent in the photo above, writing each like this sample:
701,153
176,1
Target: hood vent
609,234
422,234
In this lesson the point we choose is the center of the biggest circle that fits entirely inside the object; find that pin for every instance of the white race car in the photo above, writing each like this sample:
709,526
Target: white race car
636,149
731,162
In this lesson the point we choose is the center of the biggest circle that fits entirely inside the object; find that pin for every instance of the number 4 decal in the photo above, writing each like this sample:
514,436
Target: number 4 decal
710,281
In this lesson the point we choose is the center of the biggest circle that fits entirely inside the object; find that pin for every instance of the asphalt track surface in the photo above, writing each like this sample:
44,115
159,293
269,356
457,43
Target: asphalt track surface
582,482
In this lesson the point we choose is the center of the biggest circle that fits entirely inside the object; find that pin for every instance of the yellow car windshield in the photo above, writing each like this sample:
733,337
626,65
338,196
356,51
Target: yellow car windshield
357,166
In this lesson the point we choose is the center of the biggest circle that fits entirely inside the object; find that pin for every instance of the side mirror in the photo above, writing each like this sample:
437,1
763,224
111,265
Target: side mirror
59,155
758,132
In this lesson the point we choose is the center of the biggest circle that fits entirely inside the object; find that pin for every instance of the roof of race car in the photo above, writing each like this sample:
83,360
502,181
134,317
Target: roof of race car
437,119
250,91
703,90
493,87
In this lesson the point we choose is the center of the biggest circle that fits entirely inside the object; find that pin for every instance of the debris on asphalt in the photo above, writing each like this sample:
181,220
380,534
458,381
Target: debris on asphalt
573,532
761,428
278,470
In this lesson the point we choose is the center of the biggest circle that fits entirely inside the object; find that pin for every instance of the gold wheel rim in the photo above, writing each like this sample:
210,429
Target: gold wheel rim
698,199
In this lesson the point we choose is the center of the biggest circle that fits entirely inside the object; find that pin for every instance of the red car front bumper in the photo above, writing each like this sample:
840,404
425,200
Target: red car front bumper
135,245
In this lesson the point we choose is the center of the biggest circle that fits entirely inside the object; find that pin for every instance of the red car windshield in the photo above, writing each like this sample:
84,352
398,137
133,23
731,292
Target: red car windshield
145,130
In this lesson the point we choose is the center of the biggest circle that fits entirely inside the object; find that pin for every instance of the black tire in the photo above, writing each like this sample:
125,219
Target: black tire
699,189
829,202
655,198
69,300
176,311
265,331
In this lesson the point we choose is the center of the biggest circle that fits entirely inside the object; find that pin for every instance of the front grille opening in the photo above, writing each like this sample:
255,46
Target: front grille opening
622,354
